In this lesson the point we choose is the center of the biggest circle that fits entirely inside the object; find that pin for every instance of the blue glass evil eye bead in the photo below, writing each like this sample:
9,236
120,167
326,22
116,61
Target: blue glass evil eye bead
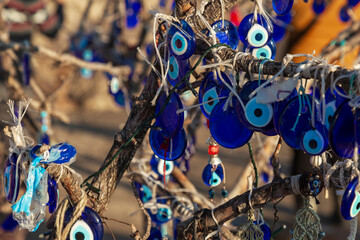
341,132
62,153
252,33
163,215
319,6
332,100
344,15
159,165
177,70
226,33
168,120
314,141
169,149
53,193
182,42
12,177
144,192
267,51
226,127
87,227
280,25
212,88
295,120
350,204
213,177
256,116
279,107
282,7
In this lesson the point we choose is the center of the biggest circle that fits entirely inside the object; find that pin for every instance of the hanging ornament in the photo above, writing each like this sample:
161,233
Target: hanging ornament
226,33
252,230
11,175
282,7
181,40
88,226
53,193
307,224
267,51
177,70
350,204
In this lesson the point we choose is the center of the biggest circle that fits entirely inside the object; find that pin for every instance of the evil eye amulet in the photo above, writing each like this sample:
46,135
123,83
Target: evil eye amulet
160,166
314,142
177,70
213,177
87,227
341,132
12,177
226,127
282,7
167,119
165,148
350,204
256,116
319,6
163,215
279,107
226,33
62,153
144,192
279,26
212,88
267,51
182,42
332,100
53,193
255,35
295,120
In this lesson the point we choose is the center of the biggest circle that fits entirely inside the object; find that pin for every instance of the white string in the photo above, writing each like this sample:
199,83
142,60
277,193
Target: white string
148,62
218,227
197,105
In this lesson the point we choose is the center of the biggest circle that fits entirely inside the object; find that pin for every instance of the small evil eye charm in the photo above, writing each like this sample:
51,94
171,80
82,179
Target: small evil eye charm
177,70
254,33
315,184
213,175
144,192
87,227
12,177
160,166
314,142
181,40
350,204
265,52
256,116
163,215
210,90
257,36
53,193
226,33
282,7
62,153
332,101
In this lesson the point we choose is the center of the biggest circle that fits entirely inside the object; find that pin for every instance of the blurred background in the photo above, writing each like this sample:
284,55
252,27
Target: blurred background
85,113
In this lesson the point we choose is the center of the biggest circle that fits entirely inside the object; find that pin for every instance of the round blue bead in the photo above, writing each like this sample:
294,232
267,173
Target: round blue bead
267,51
256,116
319,6
350,203
247,23
342,136
213,178
144,192
168,120
181,45
177,70
173,148
226,127
314,141
157,165
344,15
282,7
294,122
226,34
212,88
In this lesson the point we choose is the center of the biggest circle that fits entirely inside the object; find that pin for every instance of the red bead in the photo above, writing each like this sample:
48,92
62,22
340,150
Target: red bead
213,150
207,123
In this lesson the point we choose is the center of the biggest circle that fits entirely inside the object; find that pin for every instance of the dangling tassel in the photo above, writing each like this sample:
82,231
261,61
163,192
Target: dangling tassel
251,231
307,224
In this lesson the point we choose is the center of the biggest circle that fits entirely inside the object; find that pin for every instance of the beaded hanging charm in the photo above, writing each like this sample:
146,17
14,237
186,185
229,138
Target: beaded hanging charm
307,224
214,173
